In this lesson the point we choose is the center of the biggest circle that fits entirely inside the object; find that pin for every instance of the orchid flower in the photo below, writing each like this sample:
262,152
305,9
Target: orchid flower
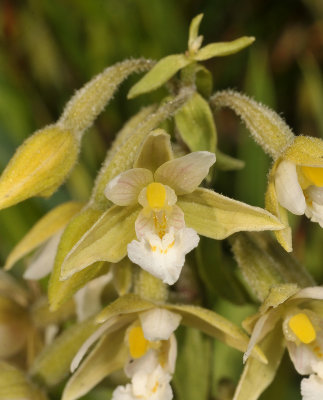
164,240
137,335
297,314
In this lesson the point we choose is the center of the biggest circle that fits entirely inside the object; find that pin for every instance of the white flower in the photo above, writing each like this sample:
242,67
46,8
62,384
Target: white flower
300,189
163,239
152,352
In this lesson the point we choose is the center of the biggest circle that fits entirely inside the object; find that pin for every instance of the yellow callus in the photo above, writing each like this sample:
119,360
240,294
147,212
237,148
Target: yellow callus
302,327
156,195
39,166
313,175
138,344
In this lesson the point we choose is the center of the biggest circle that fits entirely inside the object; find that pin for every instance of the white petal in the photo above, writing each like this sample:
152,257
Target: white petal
153,386
163,258
184,174
302,356
88,298
146,363
289,192
314,293
315,193
51,332
123,393
312,388
172,354
158,323
124,189
43,261
314,212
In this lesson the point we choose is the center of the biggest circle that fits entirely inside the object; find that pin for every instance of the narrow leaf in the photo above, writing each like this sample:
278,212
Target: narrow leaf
221,49
159,74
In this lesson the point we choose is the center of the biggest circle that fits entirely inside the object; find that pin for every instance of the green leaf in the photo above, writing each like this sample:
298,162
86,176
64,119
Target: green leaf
194,30
159,74
155,151
107,240
15,385
221,49
192,374
109,355
46,227
257,376
216,326
53,364
196,126
217,216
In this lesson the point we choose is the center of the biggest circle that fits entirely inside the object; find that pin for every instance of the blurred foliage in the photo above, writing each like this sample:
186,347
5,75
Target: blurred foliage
48,49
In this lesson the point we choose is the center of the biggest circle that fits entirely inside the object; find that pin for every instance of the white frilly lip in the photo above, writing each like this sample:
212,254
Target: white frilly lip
289,192
167,260
312,388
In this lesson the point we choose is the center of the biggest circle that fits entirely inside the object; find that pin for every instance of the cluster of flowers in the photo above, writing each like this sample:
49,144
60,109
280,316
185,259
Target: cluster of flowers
145,215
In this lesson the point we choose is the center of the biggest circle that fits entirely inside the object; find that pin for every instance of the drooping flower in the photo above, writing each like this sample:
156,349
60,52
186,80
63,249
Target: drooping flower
299,312
137,335
164,240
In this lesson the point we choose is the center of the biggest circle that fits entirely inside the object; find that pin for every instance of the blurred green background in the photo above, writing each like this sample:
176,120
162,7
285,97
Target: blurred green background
50,48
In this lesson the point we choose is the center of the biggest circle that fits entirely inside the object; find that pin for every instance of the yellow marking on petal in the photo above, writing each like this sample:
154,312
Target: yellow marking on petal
302,327
313,174
138,344
156,195
154,389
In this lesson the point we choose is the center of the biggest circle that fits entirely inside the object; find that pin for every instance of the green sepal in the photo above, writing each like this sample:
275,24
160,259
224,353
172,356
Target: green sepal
72,233
216,326
195,41
122,273
221,49
128,304
53,364
196,126
217,216
46,227
155,151
107,240
109,355
159,74
14,384
257,376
